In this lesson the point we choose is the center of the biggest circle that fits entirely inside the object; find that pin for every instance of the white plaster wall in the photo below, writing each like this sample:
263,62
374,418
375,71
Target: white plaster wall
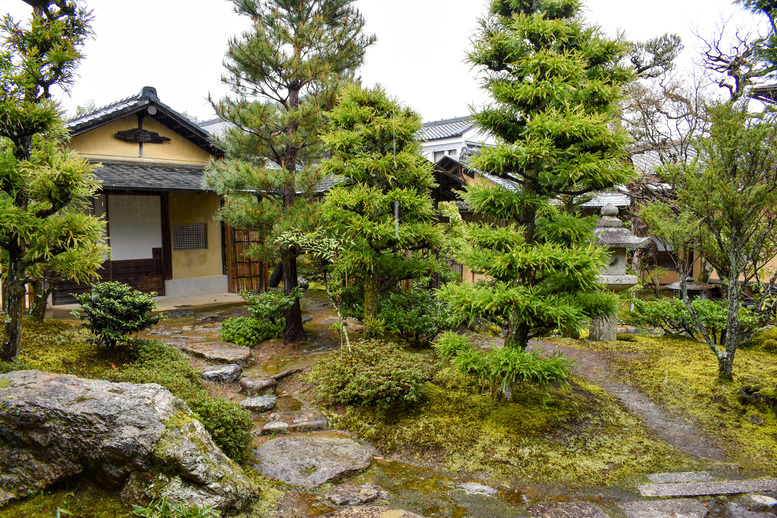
135,226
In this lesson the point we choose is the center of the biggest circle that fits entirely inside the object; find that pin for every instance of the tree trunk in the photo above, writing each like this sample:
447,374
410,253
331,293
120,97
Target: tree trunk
40,295
277,275
294,331
14,307
370,303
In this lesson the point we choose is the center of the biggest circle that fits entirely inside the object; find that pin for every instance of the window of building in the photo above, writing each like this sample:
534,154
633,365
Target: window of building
192,236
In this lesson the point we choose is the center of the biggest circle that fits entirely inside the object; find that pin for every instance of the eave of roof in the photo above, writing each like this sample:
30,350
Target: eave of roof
146,99
127,176
446,128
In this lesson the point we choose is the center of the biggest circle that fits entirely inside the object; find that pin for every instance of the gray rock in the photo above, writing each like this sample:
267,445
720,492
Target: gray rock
371,512
206,316
729,487
311,461
678,507
473,488
305,320
55,427
734,510
682,476
759,503
357,495
218,351
180,313
756,419
259,404
223,374
275,428
303,283
565,510
258,386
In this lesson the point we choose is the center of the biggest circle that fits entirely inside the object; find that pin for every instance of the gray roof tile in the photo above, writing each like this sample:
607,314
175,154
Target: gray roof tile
149,177
446,128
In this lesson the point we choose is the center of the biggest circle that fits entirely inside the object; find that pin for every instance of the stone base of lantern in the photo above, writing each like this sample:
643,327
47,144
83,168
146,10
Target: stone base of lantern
603,329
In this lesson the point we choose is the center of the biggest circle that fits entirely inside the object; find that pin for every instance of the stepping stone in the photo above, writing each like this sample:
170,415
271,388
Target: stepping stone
207,315
180,313
166,331
566,510
759,503
218,351
223,374
357,495
259,404
275,428
730,487
473,488
683,476
258,386
680,507
371,512
311,461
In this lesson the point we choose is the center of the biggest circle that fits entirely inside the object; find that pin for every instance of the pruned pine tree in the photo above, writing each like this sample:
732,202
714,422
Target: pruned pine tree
284,74
383,208
43,188
555,84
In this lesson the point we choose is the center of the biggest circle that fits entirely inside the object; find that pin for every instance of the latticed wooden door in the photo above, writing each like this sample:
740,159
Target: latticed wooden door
244,273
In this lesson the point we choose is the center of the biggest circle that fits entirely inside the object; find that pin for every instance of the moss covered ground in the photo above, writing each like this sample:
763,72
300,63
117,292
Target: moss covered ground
680,374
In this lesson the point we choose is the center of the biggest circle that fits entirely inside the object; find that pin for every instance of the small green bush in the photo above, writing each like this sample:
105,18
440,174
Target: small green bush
373,372
269,305
248,331
164,509
673,317
114,310
228,424
417,316
501,367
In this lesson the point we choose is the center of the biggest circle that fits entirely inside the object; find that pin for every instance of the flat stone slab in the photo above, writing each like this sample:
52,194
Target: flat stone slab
566,510
371,512
258,386
760,503
311,461
218,351
357,495
679,477
223,373
473,488
259,404
680,507
728,487
275,428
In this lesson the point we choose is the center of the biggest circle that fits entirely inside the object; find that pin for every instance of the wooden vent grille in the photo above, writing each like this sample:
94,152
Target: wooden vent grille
192,236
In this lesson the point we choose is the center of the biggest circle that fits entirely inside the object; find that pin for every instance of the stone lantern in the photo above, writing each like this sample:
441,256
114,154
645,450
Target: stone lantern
610,231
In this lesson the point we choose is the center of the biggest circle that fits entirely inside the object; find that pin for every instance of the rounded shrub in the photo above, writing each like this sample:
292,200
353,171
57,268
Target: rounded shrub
372,372
248,331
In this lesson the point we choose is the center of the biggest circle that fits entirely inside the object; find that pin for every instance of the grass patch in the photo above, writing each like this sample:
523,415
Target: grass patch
574,434
681,374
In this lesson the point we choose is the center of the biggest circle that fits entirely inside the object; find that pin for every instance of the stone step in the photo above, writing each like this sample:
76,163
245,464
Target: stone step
727,487
680,477
685,507
218,351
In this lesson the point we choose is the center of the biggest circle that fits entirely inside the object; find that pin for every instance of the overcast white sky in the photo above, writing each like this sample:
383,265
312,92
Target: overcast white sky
177,46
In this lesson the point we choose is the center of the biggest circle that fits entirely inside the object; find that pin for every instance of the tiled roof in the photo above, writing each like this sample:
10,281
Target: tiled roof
149,177
146,100
446,128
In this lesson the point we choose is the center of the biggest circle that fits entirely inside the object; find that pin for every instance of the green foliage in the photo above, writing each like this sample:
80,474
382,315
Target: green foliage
765,341
370,373
554,116
504,366
229,424
672,316
417,315
45,231
270,305
374,145
248,331
164,509
114,310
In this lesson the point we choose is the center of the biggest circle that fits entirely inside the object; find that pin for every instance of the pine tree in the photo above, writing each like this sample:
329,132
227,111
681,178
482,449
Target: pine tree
284,74
43,188
383,210
555,85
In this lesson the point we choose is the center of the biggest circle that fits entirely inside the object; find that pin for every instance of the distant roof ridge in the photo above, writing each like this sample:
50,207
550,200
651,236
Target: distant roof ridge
448,121
148,92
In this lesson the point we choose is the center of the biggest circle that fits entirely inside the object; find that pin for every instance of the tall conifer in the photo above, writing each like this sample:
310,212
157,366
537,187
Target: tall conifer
555,85
284,74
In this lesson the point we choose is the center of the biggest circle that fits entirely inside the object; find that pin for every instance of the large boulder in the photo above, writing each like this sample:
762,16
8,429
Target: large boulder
137,438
